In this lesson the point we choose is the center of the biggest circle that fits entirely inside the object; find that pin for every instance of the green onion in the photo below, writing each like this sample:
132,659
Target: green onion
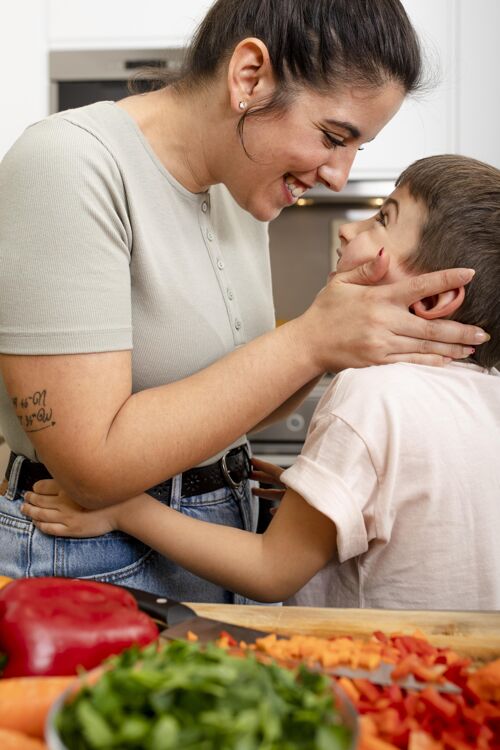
202,698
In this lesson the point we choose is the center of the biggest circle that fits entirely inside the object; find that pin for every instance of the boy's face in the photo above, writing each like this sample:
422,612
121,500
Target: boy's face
396,228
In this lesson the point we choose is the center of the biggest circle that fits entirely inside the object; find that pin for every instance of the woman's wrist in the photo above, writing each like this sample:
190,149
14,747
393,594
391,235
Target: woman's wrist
302,347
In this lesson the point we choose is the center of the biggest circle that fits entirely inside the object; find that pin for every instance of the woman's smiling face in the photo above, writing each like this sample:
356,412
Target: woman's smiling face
397,228
315,140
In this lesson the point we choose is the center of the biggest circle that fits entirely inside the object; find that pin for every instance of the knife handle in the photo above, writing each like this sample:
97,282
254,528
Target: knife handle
167,611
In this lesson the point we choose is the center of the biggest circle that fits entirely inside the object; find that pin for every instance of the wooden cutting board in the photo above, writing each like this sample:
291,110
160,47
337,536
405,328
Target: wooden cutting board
473,634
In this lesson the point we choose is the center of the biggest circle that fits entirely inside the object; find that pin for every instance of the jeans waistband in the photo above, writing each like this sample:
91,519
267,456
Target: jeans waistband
231,470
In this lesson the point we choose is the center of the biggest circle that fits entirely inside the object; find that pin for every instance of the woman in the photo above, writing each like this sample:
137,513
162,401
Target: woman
141,224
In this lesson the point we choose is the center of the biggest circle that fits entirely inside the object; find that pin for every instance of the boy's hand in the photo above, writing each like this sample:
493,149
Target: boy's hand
53,512
267,473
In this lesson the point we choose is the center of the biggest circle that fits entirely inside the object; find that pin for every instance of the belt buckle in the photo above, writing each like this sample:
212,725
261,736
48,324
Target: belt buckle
225,471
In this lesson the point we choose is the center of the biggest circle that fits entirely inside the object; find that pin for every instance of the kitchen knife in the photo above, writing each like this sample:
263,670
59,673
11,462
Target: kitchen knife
210,630
382,676
181,620
165,611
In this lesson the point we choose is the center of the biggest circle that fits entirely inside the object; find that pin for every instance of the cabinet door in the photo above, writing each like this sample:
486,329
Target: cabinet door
478,66
425,123
123,23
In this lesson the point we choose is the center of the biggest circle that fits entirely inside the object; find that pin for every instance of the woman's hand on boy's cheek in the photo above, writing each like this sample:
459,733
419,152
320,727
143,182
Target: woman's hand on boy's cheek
53,512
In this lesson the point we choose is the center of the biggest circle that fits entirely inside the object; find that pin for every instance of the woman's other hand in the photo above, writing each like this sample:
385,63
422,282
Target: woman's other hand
354,322
53,512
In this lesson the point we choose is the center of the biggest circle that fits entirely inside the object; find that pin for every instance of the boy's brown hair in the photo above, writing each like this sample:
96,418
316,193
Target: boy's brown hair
462,197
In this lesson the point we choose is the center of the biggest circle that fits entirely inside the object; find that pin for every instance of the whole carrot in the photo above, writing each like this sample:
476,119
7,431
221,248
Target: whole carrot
26,701
10,740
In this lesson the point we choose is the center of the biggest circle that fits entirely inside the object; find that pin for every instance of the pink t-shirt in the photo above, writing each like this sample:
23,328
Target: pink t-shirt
405,460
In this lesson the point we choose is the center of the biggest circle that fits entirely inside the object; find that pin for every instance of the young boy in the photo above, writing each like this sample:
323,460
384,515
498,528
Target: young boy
395,497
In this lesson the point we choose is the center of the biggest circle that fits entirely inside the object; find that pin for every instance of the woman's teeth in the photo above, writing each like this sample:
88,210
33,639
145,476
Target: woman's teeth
296,188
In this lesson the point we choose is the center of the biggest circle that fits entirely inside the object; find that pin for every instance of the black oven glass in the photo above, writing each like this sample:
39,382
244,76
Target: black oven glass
73,94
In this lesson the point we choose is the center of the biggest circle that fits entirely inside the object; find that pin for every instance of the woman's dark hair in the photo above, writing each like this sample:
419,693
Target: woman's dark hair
315,43
462,230
320,44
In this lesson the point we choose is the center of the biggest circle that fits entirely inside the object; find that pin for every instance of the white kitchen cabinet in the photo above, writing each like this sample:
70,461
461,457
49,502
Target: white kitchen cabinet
461,113
24,65
477,107
87,24
426,123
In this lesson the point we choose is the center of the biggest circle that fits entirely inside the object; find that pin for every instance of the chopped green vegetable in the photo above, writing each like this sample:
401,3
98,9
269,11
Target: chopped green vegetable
202,698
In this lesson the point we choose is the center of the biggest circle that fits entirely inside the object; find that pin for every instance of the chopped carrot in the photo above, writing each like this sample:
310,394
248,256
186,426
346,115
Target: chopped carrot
10,740
420,740
370,742
26,701
392,717
486,681
349,688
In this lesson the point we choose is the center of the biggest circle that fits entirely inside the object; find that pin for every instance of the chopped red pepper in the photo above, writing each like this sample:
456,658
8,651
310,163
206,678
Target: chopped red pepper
367,689
227,639
53,626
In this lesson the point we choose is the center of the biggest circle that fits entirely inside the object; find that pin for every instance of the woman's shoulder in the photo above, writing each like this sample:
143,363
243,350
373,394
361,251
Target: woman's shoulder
63,144
72,126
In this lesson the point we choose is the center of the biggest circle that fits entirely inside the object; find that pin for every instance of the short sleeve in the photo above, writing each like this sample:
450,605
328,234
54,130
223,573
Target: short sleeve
64,244
335,475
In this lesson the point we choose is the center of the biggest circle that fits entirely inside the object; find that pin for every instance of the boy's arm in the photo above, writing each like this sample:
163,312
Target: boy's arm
268,567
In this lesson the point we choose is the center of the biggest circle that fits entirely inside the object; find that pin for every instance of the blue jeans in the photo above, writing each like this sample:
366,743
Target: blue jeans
117,557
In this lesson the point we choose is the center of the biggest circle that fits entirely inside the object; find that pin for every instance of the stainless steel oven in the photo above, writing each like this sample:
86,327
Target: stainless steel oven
281,442
79,77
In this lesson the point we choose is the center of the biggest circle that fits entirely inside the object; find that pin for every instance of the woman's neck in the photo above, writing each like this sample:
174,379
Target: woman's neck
179,129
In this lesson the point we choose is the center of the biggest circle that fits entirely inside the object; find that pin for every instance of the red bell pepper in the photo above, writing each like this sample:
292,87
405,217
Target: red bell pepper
53,626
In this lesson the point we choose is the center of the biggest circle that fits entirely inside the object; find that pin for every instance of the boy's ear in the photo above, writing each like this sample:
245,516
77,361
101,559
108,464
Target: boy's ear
439,305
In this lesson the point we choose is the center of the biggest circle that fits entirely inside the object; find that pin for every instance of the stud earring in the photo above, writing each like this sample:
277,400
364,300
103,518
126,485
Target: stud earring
242,104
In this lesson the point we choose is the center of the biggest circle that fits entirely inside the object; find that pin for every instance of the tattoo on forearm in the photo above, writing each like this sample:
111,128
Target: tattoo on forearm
32,412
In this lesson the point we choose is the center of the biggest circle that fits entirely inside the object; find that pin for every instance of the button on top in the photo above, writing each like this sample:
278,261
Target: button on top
204,207
237,324
220,264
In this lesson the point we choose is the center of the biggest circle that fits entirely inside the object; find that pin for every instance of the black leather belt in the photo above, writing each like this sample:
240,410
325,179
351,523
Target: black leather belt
229,471
31,472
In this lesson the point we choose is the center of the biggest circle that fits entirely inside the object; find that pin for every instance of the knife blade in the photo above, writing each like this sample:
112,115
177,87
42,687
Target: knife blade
210,630
381,675
181,620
